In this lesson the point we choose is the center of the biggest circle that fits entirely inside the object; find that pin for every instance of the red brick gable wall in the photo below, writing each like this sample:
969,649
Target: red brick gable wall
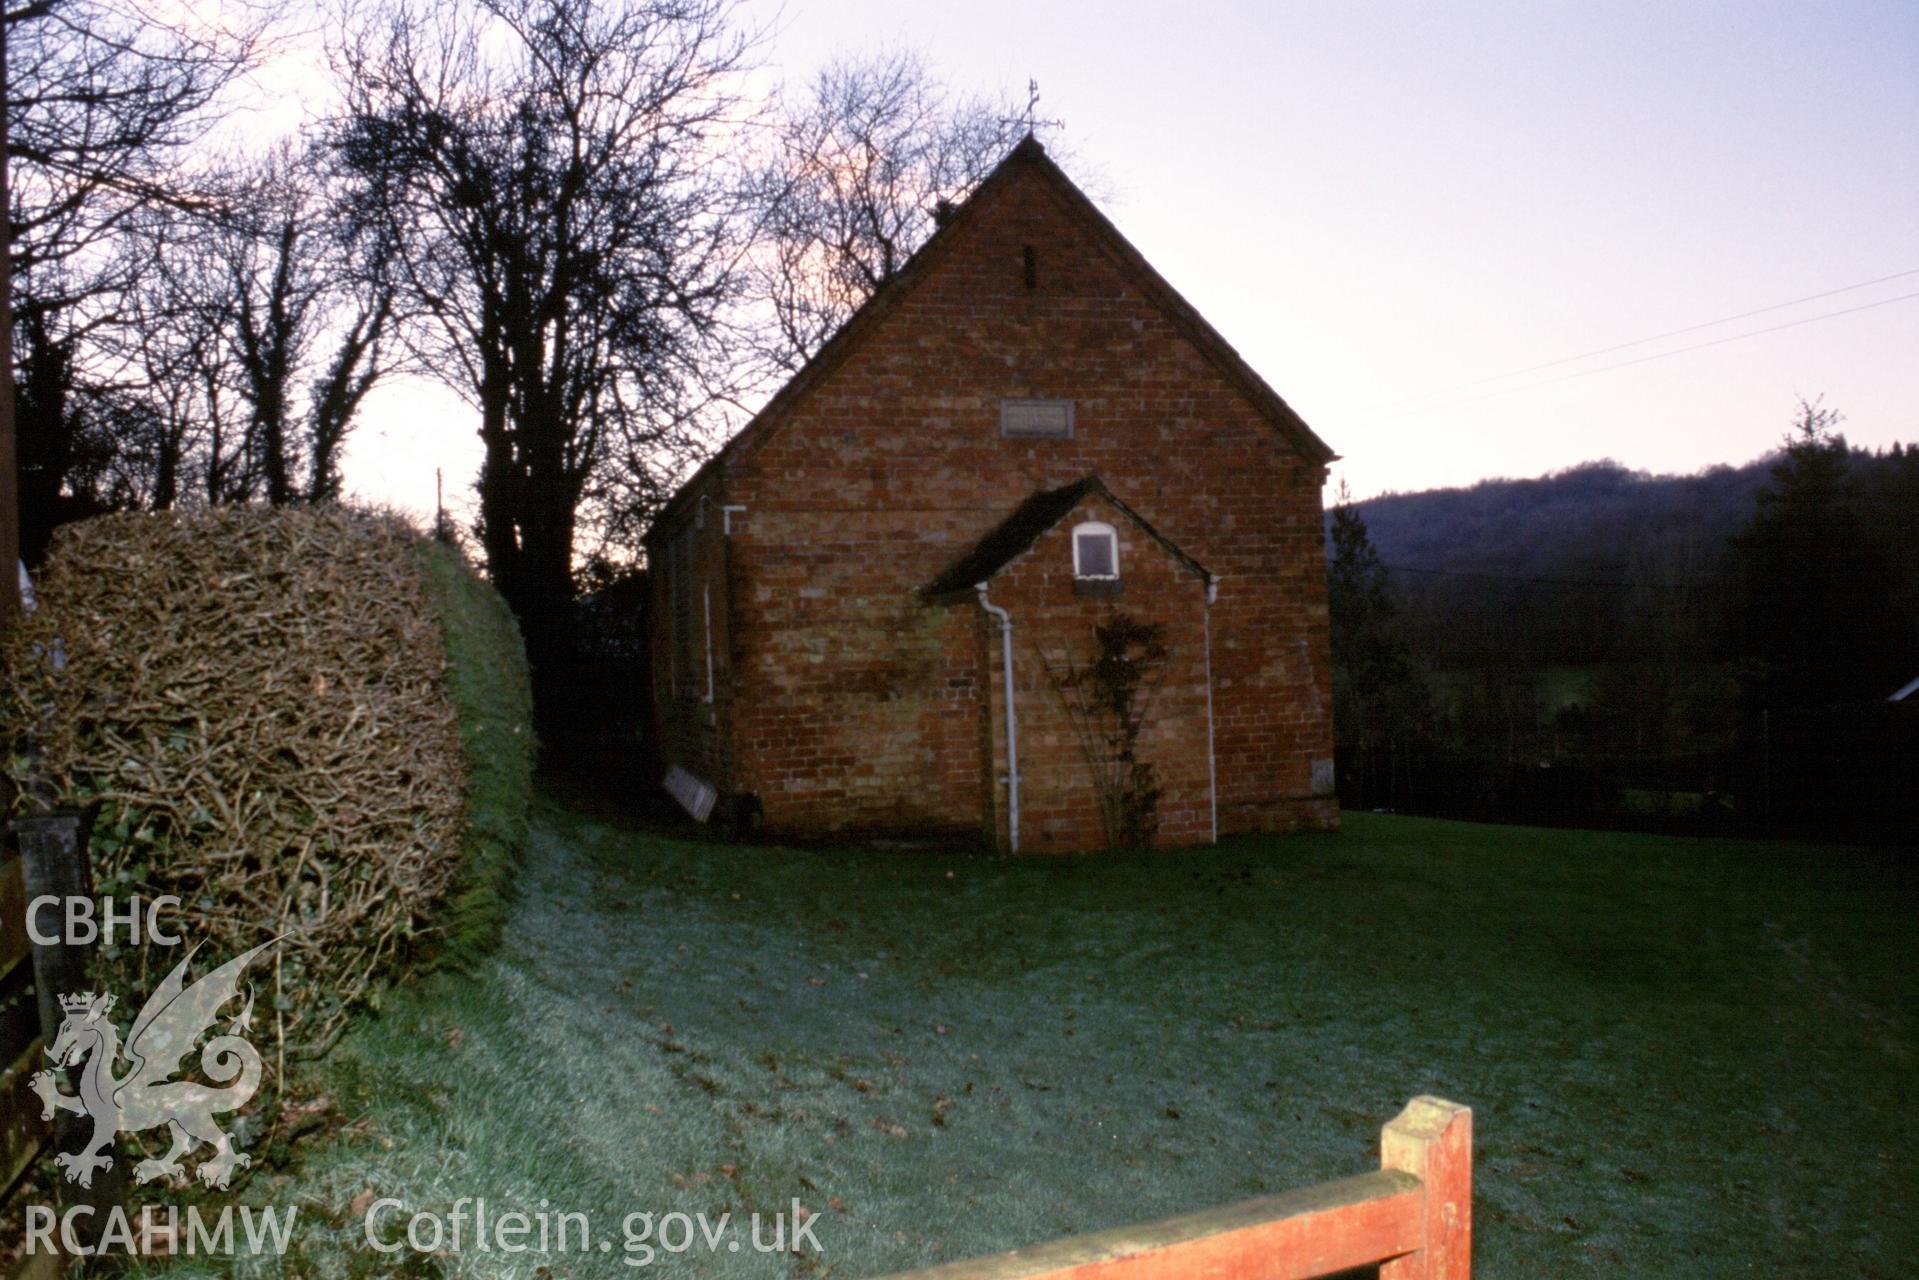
852,705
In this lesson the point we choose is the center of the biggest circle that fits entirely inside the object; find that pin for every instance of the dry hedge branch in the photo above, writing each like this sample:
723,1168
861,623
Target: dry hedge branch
258,701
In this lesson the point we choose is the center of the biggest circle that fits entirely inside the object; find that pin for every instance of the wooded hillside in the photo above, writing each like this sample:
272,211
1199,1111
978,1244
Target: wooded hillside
1606,646
1570,557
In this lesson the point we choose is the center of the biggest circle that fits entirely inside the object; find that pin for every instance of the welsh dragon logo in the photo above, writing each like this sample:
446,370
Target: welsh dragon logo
173,1018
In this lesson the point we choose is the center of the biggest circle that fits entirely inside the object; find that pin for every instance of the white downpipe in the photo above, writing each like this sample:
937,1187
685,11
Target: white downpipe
1012,720
706,606
1212,762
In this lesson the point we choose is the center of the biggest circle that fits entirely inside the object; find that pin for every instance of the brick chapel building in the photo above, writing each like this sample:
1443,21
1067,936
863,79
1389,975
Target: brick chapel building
1026,432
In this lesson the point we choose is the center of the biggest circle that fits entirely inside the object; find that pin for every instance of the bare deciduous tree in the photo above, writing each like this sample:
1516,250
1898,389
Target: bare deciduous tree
64,455
863,160
173,355
566,239
286,276
105,100
226,366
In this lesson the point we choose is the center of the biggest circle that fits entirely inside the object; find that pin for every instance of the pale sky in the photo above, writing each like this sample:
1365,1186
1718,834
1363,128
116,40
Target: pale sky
1376,202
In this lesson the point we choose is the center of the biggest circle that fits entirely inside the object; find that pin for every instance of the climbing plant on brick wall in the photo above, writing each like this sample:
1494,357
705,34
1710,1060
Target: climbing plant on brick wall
1107,697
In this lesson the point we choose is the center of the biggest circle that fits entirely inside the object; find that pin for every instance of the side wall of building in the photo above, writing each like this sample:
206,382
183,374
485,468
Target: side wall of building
858,704
692,644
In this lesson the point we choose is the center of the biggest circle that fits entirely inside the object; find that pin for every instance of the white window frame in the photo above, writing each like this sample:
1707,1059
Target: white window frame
1095,528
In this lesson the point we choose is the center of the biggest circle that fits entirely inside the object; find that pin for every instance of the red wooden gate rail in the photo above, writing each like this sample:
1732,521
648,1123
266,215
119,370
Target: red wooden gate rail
1414,1216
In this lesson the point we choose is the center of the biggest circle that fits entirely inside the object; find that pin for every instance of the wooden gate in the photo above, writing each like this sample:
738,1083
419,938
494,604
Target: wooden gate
1414,1216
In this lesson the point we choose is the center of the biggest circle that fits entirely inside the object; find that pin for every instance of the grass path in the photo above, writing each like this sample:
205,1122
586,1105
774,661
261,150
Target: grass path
1685,1058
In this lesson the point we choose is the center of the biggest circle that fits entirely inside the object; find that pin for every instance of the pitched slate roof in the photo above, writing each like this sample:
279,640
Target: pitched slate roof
1027,155
1029,522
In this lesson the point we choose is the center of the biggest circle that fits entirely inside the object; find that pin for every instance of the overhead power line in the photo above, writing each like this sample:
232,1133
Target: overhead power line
1640,342
1603,584
1623,364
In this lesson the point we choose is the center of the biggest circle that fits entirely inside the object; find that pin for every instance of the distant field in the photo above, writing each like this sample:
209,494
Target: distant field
1685,1058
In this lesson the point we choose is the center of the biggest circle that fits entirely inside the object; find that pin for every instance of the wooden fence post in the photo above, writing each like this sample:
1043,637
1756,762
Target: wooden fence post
1433,1140
54,863
22,1131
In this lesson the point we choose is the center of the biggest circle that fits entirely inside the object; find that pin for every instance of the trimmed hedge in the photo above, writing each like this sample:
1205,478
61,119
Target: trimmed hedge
310,723
493,696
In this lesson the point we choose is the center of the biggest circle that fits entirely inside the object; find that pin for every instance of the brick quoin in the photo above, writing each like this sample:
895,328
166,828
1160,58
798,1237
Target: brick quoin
814,682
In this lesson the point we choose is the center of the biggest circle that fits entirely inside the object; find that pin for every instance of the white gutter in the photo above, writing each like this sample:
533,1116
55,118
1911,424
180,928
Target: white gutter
1212,763
1012,721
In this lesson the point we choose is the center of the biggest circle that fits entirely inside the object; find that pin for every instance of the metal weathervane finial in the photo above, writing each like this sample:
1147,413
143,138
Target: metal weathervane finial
1031,119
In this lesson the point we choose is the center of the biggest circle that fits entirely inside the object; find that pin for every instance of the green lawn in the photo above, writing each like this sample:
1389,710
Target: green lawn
1685,1058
